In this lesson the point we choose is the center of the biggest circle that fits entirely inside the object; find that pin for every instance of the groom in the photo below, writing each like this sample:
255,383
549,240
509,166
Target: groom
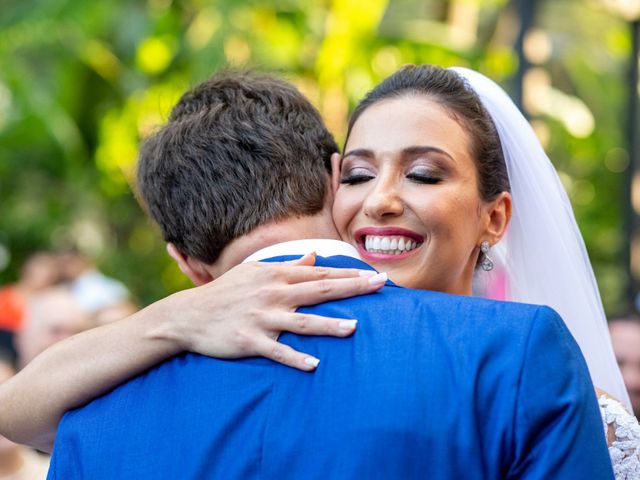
431,386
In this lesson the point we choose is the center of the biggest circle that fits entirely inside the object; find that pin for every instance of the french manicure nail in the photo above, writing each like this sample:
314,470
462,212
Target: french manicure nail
312,361
367,273
348,324
378,278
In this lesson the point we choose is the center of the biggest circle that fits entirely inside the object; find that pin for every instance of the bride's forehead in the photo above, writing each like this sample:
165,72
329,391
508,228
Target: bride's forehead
409,114
416,121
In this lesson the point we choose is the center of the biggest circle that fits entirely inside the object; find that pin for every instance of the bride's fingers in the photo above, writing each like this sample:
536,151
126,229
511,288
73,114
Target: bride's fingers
303,270
307,274
281,353
308,259
325,290
307,324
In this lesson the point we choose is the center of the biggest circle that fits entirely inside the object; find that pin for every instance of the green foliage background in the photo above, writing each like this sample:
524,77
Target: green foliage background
81,81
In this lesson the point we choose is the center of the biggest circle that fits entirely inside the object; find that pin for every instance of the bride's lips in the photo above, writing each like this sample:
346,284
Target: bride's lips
381,239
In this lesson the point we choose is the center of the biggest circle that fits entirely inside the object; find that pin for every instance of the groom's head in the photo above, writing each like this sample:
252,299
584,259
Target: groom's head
243,162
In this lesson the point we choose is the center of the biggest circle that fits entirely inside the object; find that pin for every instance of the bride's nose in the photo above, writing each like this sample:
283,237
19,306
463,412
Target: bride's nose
384,200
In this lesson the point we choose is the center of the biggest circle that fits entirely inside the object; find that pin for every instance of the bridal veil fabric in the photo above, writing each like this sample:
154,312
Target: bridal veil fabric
543,254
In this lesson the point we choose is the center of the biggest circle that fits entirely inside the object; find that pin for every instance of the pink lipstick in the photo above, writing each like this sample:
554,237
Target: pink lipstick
387,243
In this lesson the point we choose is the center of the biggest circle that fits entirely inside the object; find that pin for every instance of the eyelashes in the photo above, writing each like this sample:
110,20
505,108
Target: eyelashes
427,179
356,179
421,178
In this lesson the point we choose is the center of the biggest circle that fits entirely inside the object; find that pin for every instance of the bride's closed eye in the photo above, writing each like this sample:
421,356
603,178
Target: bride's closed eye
354,176
424,175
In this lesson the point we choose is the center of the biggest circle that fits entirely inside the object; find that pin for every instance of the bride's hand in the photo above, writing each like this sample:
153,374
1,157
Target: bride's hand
242,313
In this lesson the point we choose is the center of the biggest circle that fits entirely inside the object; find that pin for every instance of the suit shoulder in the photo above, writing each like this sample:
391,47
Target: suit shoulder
498,310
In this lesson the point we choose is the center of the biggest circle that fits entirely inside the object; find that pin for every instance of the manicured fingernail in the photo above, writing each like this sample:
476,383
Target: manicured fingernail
367,273
348,324
312,361
378,278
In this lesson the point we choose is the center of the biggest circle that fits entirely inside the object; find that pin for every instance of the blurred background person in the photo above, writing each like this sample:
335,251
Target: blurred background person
103,298
51,315
16,461
40,271
625,335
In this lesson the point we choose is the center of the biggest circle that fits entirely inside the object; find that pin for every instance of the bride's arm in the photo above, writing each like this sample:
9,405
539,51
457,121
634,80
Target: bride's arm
238,315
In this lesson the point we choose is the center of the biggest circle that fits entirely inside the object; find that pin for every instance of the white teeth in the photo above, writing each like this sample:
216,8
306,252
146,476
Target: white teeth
392,245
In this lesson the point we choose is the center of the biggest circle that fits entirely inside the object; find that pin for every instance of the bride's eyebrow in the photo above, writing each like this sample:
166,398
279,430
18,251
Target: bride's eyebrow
412,151
420,150
358,152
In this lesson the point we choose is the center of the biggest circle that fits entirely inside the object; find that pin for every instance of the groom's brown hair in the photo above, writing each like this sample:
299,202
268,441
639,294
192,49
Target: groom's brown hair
239,150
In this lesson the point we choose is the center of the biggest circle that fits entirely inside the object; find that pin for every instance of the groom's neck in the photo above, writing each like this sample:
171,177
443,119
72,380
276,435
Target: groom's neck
318,226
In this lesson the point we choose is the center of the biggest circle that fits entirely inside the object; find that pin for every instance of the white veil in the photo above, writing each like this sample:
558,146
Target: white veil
543,254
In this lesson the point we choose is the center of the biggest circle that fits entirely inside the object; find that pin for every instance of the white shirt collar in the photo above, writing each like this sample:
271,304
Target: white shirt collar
322,246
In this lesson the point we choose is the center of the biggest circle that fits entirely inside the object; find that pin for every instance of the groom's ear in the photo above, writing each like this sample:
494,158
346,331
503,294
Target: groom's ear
336,161
499,215
192,268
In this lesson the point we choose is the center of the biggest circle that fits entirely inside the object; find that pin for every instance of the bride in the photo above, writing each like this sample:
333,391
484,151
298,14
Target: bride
546,262
542,255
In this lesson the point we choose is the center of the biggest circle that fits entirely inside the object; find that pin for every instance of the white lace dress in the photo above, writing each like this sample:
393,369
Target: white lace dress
625,448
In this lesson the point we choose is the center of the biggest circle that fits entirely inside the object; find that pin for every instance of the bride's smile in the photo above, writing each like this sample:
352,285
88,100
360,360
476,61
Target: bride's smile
407,195
387,243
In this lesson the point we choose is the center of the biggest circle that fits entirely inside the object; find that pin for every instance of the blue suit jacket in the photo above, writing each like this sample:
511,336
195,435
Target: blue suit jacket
431,386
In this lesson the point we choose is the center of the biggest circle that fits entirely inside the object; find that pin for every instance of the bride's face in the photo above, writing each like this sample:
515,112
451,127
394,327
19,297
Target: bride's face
408,196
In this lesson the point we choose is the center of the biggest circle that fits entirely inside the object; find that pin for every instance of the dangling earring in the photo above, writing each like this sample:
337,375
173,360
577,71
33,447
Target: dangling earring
486,263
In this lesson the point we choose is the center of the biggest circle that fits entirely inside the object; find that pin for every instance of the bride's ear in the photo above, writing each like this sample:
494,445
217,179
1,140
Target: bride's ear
192,268
498,217
336,161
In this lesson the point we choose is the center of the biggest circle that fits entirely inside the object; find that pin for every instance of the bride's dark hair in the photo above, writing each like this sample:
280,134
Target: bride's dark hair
451,91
